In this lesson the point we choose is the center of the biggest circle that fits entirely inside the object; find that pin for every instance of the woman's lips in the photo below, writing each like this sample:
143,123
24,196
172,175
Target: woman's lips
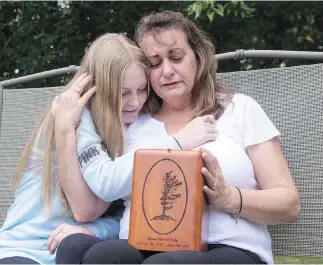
171,85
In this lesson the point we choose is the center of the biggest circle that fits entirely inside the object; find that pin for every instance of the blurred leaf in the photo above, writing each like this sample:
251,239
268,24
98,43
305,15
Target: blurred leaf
210,15
219,10
309,38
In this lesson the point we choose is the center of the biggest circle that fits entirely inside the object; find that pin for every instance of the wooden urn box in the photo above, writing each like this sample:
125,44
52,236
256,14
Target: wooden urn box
168,207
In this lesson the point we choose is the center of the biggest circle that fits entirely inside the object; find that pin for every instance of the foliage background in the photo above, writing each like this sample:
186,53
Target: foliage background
39,35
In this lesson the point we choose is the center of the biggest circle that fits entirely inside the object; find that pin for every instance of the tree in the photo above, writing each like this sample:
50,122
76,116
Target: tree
167,200
36,36
261,25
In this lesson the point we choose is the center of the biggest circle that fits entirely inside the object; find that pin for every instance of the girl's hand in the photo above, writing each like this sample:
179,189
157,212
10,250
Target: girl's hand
67,107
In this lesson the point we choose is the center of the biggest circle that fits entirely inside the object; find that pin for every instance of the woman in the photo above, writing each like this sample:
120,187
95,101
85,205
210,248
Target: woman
116,69
248,181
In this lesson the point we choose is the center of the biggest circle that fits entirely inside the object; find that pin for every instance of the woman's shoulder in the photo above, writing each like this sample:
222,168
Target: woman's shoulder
236,104
240,99
239,108
227,100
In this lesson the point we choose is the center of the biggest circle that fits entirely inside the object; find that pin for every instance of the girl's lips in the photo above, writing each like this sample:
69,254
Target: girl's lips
130,112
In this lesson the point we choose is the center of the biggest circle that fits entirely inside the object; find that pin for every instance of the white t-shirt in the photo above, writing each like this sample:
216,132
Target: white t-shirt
243,123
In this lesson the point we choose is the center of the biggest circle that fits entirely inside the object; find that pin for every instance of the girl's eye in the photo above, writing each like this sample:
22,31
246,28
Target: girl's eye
155,65
124,93
143,88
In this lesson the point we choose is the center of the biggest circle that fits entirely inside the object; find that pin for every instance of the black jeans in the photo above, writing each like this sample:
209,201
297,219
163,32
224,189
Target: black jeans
17,260
85,249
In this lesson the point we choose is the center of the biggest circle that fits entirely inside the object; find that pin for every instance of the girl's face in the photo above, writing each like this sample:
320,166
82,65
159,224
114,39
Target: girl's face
134,92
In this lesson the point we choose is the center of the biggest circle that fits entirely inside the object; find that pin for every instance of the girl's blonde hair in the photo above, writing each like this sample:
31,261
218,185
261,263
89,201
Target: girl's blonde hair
105,61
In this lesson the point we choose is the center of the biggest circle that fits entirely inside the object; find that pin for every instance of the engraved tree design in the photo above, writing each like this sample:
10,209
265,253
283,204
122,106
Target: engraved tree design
171,183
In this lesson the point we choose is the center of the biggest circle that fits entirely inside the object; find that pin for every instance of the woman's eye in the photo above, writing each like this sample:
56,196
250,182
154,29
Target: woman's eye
177,59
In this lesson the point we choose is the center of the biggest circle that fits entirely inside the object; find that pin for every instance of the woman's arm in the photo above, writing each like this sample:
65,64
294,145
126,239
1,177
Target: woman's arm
277,201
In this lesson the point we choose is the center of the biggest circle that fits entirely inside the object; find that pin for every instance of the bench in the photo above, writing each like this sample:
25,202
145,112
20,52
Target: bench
291,96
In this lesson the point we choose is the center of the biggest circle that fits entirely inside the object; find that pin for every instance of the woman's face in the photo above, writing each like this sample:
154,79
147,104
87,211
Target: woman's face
173,65
134,92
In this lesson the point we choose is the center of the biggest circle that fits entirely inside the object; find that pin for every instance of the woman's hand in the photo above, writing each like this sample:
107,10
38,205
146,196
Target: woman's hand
67,107
63,231
217,192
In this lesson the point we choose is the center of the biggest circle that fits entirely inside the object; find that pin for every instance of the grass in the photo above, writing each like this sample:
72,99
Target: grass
297,260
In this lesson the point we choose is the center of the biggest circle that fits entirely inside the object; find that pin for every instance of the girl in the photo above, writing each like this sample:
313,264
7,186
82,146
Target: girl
40,205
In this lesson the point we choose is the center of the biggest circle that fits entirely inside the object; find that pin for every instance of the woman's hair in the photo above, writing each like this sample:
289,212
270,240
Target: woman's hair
105,61
208,97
